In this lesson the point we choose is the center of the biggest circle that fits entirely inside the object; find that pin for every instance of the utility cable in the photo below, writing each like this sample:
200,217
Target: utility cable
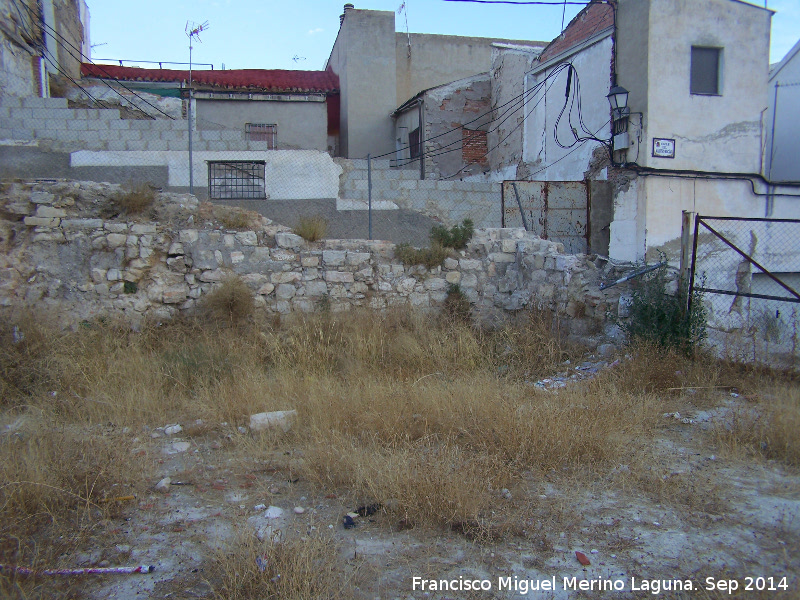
519,101
80,58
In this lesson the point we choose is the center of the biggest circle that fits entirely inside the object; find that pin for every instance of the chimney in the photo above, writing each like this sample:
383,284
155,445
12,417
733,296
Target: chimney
347,7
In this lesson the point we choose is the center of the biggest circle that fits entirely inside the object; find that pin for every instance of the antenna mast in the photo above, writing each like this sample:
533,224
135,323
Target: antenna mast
193,30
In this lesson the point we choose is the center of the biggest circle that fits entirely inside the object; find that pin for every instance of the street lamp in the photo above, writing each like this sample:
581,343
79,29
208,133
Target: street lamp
618,99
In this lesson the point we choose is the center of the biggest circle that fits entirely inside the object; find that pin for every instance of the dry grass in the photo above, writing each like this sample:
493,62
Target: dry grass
135,198
298,569
311,229
230,302
765,424
232,217
428,417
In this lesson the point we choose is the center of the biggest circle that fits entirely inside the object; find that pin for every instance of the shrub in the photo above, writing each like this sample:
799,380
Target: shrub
456,304
311,229
135,198
429,257
456,237
232,301
661,318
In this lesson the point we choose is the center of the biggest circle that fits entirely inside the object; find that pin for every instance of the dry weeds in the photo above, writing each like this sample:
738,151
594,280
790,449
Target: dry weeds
429,418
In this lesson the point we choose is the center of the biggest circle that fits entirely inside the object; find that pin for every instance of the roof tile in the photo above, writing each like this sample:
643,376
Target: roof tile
268,80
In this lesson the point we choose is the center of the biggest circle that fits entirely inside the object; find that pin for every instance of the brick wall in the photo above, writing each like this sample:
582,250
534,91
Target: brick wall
474,148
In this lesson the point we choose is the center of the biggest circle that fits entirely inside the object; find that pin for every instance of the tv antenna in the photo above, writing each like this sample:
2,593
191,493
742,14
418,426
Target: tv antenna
193,30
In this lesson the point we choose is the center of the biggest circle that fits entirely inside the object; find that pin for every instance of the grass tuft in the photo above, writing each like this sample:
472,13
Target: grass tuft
311,229
429,257
230,302
135,198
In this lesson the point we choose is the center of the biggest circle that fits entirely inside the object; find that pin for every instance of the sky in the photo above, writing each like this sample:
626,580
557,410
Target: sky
299,34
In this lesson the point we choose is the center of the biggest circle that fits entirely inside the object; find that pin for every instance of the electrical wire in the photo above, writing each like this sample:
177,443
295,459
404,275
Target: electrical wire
53,33
459,128
521,99
517,126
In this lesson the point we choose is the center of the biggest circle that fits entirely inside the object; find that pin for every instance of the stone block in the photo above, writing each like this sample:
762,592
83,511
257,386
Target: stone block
309,261
316,288
41,222
334,258
358,258
247,238
49,212
188,236
453,277
285,277
175,294
285,291
289,240
502,257
468,264
339,277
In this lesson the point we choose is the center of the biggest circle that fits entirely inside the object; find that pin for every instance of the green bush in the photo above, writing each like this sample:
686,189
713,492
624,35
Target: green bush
456,237
661,318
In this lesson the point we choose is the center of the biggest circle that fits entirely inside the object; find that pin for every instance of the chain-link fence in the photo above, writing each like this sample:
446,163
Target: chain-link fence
247,164
749,272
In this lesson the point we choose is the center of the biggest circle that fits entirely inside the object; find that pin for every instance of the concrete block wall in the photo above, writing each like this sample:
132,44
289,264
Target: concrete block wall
64,129
64,257
448,201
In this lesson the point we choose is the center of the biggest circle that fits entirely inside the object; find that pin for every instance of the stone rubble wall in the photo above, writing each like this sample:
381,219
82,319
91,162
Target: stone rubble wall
61,256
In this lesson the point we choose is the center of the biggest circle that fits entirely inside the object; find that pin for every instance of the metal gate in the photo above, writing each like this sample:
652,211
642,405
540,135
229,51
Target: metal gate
750,267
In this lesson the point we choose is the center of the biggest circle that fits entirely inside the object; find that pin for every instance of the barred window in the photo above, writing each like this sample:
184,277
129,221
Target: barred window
262,132
236,180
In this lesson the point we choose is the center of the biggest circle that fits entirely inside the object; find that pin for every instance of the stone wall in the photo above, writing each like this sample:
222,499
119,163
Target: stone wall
61,255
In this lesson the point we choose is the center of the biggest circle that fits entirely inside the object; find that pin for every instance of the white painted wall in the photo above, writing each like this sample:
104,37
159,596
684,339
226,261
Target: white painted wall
712,133
290,174
545,159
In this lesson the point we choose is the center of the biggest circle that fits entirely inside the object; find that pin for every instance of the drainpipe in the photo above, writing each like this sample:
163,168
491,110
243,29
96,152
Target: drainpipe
771,188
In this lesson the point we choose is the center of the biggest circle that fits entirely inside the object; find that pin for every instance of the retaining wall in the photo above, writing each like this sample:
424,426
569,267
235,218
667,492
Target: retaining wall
60,255
392,188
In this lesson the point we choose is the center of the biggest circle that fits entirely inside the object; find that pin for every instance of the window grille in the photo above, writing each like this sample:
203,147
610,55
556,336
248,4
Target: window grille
236,180
705,71
262,132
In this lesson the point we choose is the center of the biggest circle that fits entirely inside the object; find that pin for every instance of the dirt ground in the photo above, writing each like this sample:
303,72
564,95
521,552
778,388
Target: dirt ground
701,526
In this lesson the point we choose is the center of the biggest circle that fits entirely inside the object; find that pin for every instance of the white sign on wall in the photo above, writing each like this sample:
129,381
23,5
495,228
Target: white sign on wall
663,148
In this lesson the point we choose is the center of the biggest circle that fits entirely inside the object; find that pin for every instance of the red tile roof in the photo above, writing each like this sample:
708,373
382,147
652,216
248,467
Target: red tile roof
596,17
268,80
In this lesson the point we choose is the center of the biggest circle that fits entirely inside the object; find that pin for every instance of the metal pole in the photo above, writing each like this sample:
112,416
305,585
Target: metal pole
189,114
521,212
369,192
694,261
686,236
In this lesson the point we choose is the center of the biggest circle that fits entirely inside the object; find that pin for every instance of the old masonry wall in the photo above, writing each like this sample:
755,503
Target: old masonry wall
61,254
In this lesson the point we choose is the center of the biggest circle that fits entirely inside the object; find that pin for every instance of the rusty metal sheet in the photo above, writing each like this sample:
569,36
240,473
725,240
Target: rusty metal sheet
555,210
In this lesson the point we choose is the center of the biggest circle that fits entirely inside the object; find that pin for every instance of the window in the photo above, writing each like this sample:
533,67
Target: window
262,132
413,144
236,180
705,71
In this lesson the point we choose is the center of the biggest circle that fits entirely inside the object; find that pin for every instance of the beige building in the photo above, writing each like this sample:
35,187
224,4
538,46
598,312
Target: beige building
380,69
